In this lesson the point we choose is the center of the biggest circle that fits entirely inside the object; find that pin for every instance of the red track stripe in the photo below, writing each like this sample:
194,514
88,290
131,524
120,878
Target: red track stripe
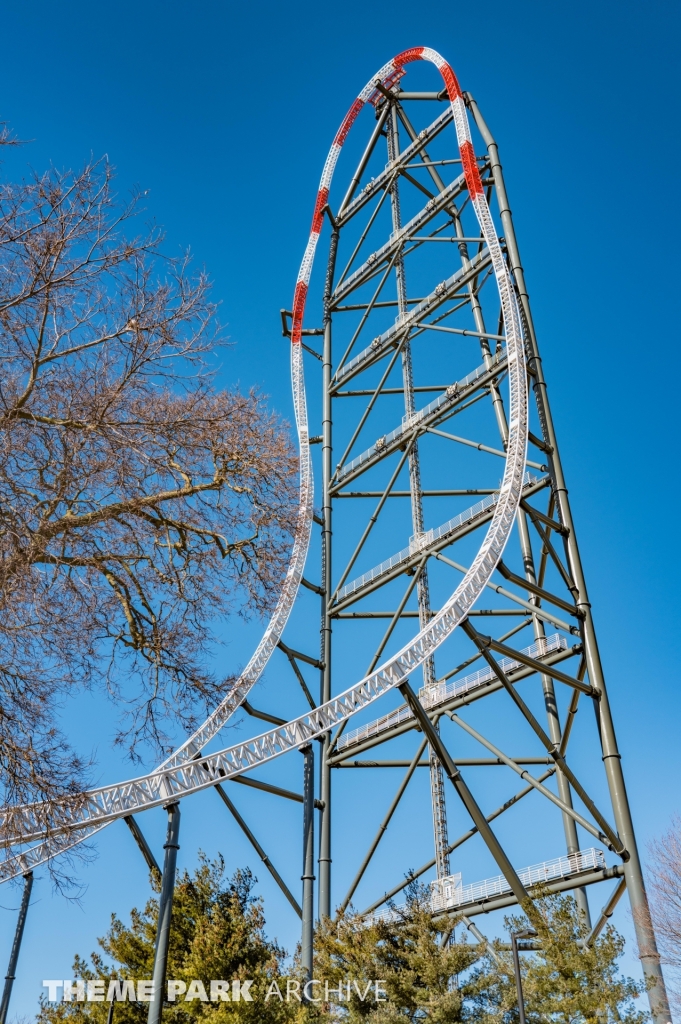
451,81
348,122
413,53
299,297
318,215
470,169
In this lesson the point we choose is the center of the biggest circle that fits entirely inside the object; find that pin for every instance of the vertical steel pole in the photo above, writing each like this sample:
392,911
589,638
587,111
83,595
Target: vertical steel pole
518,979
165,909
308,878
326,583
16,946
645,935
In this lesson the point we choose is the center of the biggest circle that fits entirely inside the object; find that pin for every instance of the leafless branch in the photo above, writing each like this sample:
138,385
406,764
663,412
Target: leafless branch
139,502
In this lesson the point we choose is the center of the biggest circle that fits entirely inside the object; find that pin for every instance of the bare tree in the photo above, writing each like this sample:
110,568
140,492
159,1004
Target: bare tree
138,501
664,883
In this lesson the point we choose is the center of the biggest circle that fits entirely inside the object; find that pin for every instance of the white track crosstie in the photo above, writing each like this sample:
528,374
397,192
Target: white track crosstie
58,826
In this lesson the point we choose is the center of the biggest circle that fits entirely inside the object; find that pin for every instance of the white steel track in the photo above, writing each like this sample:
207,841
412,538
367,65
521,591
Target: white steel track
58,826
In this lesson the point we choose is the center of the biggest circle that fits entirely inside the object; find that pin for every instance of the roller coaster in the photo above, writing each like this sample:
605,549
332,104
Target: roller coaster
432,285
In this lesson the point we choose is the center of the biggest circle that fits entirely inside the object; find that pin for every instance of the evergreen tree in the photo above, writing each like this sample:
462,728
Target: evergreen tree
423,979
565,982
393,969
217,932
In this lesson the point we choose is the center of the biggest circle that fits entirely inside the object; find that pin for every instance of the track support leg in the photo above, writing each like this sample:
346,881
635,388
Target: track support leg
165,909
16,946
308,876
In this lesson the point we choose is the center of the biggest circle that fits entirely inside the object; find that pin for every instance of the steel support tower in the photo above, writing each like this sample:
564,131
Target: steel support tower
456,628
368,473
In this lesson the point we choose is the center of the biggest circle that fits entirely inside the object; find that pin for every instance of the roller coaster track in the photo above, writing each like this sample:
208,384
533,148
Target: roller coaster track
547,589
59,825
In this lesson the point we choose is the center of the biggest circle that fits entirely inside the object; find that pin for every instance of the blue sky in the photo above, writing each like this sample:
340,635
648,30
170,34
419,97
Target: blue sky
225,112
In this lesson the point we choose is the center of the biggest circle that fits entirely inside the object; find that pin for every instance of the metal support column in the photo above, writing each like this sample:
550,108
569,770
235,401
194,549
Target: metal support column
308,877
645,935
326,584
165,909
16,946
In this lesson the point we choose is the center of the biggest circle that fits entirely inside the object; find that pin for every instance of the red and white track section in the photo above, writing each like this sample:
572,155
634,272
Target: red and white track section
181,774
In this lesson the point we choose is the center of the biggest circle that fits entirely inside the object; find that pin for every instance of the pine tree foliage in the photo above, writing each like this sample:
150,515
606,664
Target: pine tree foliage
217,932
565,982
405,952
402,968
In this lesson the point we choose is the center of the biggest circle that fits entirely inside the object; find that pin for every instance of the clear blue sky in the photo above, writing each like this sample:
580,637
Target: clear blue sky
225,113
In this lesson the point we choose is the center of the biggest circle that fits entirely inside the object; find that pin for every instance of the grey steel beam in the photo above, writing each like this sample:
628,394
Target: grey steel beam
571,712
462,762
427,493
567,580
534,513
374,661
308,876
259,850
451,403
553,750
565,808
390,391
10,977
165,910
607,912
477,656
385,304
455,845
415,615
292,656
483,447
358,246
469,802
533,609
361,167
142,843
365,317
538,666
396,617
502,902
423,96
539,591
267,787
262,715
460,330
371,523
384,179
482,939
372,401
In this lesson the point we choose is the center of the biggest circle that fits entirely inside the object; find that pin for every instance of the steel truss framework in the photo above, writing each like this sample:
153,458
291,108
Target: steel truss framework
428,471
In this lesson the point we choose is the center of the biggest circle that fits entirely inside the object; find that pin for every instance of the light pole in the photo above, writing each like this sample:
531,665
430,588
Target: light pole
526,933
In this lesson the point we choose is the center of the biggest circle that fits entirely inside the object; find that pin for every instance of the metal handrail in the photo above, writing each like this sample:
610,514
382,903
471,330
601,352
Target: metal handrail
449,893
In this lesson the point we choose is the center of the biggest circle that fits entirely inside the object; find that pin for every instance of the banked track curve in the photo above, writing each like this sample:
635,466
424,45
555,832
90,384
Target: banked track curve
58,826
